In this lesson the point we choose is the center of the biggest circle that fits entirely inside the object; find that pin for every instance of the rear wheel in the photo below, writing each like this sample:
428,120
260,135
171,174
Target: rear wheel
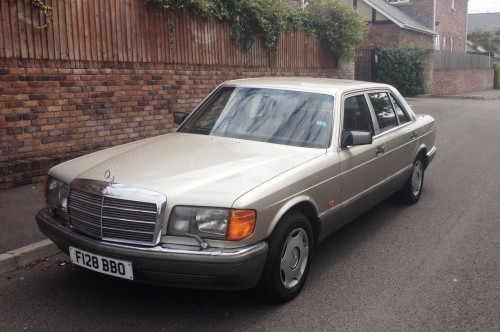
410,193
288,259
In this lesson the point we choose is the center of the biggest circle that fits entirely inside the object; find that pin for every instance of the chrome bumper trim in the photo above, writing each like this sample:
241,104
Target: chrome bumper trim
192,250
431,154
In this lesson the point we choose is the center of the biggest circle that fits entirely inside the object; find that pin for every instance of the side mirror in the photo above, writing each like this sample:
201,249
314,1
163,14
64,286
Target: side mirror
354,137
179,117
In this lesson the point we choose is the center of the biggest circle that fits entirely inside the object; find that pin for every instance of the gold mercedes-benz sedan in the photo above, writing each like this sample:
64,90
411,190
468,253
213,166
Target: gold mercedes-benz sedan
239,196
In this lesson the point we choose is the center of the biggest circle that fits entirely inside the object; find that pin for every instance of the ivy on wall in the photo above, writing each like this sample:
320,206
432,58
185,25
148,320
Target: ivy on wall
46,10
339,27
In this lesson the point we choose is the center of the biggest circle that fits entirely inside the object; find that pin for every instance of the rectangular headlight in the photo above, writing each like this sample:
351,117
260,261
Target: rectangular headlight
57,197
212,223
203,222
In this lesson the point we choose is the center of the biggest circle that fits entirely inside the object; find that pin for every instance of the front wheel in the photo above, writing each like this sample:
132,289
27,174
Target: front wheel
288,259
410,193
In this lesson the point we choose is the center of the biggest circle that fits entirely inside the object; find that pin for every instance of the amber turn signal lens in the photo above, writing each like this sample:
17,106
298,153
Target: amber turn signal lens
241,224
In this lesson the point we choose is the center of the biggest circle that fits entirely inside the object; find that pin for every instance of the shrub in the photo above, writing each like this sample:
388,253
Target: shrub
402,67
340,27
496,67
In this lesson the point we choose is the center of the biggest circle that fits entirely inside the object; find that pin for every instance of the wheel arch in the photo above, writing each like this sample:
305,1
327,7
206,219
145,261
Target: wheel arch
308,208
422,151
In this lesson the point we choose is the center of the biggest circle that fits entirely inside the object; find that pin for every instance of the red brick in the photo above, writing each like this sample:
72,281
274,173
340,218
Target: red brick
60,127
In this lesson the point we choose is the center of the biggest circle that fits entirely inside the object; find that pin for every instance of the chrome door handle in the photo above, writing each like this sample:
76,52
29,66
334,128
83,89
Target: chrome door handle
380,149
414,135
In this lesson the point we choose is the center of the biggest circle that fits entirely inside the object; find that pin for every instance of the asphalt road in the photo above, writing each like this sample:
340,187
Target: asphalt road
434,266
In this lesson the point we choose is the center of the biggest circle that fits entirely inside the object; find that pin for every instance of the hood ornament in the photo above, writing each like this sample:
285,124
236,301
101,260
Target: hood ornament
109,176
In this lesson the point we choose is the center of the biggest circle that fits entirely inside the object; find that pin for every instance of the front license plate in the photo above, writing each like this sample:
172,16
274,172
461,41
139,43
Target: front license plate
106,265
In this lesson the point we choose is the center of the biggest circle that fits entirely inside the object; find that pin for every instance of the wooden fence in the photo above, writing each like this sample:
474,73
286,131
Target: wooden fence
130,31
455,60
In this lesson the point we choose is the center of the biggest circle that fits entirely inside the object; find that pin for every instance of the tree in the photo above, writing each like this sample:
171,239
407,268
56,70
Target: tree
339,26
486,39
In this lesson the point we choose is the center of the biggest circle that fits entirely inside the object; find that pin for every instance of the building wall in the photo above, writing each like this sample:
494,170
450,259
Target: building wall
451,24
414,38
423,9
51,111
447,17
381,34
389,34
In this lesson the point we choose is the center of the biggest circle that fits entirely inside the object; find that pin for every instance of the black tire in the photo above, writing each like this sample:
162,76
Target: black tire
410,193
288,259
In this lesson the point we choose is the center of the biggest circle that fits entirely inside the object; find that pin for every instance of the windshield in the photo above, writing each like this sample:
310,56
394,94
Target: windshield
267,115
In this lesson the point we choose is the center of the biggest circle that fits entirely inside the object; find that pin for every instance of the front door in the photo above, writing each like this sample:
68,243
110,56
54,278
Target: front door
362,167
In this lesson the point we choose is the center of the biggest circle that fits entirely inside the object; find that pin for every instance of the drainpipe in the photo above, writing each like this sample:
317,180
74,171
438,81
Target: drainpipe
434,24
434,17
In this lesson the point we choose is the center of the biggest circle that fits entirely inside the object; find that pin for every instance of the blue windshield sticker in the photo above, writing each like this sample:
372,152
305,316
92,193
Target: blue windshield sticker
321,123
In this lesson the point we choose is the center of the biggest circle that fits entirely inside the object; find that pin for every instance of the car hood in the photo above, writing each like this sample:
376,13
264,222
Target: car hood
189,168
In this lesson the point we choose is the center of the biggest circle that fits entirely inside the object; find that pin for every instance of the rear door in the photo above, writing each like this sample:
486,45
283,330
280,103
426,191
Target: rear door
397,135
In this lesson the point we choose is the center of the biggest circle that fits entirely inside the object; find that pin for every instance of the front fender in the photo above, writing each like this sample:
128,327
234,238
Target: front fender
290,205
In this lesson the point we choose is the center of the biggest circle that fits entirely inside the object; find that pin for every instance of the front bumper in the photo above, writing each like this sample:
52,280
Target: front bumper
214,268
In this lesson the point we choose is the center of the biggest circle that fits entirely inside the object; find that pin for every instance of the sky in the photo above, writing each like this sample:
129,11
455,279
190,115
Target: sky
484,6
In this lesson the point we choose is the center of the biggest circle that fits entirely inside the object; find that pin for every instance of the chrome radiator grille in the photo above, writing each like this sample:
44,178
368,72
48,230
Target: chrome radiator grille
112,218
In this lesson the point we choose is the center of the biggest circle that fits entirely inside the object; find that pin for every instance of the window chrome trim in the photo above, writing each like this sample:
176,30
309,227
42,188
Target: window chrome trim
377,132
392,130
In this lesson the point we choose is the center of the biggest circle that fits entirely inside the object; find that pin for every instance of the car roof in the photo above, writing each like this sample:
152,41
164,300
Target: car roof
320,85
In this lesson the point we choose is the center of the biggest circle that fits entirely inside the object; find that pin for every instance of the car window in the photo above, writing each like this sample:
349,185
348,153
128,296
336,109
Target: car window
357,114
384,112
267,115
402,116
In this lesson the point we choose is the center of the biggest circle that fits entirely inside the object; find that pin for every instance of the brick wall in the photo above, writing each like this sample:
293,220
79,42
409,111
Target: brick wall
51,111
447,82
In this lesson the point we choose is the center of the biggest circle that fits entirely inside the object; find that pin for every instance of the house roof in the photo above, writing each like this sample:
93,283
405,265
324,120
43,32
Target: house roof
484,21
399,17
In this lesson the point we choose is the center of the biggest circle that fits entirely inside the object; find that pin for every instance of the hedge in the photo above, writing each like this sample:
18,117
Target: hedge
496,67
403,67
